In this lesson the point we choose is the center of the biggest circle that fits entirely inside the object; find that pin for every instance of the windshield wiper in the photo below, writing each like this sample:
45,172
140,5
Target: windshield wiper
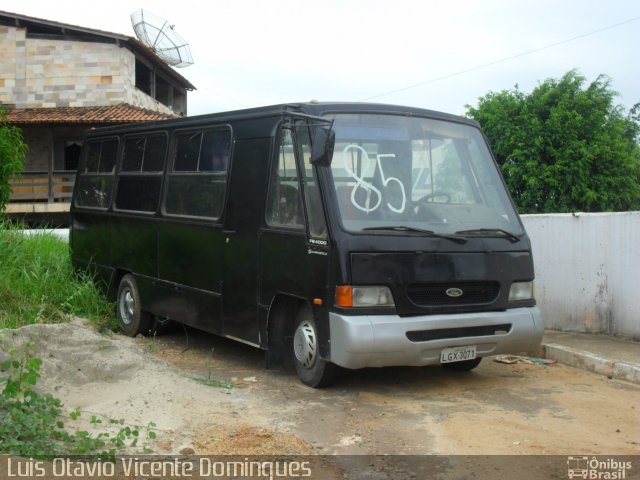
512,237
430,233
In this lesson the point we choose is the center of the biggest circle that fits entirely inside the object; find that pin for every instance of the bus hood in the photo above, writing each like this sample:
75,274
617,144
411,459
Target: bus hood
444,282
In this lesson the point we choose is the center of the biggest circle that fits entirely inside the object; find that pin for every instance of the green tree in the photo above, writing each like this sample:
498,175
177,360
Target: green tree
564,147
12,154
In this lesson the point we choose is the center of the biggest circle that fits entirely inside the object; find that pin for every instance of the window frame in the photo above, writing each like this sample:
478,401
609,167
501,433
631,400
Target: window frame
140,173
298,124
83,173
275,163
170,173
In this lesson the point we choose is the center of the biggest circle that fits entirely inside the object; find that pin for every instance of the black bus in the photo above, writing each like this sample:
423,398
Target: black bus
328,234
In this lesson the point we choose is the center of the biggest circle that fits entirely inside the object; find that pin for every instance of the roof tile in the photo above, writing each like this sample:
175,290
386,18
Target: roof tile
121,113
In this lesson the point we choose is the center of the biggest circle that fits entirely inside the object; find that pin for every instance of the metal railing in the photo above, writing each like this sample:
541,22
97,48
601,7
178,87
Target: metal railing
40,187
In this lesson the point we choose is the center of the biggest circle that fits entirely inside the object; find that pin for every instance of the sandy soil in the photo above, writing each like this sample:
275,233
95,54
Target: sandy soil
111,375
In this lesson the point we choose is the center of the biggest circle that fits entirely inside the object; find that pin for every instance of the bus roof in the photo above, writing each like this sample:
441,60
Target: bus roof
310,108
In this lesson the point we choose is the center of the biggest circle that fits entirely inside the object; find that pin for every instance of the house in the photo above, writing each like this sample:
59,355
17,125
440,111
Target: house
58,80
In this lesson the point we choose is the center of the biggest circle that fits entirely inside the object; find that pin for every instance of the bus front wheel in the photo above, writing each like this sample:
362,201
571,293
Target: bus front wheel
132,319
311,369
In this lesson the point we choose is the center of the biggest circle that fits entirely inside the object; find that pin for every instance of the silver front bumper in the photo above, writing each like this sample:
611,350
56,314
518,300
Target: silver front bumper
381,340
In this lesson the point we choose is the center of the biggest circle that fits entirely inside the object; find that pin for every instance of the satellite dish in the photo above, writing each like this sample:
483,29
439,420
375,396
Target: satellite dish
159,35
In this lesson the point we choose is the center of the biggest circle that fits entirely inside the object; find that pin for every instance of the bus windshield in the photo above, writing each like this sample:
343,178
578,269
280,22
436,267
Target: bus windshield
409,173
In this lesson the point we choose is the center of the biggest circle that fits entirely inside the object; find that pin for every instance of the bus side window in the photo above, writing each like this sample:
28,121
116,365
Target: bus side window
284,207
95,182
140,178
196,184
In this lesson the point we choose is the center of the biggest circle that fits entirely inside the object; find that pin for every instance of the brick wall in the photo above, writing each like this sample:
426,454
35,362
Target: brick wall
9,38
55,73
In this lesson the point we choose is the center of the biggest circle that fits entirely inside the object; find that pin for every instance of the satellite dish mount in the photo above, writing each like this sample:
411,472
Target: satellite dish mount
159,35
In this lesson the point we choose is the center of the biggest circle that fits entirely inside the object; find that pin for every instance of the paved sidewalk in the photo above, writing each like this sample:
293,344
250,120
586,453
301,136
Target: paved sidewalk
610,356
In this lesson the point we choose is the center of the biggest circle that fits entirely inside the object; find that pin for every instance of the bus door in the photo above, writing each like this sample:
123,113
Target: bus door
293,245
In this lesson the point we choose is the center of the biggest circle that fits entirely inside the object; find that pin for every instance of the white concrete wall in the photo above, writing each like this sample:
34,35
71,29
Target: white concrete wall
61,233
588,271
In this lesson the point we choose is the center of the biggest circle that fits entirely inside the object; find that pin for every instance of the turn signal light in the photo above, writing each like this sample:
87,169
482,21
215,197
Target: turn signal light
369,296
344,296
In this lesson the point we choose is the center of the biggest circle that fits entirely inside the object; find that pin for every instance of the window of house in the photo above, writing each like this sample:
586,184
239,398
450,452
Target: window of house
160,87
72,155
197,181
179,101
144,77
95,184
163,91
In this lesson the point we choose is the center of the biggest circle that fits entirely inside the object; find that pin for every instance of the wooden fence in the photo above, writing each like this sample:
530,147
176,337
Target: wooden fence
40,187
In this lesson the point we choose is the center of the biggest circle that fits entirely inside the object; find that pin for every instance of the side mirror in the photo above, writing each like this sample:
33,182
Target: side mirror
323,142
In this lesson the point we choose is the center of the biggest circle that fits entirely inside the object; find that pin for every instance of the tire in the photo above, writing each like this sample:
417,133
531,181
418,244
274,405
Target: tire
464,366
311,369
132,319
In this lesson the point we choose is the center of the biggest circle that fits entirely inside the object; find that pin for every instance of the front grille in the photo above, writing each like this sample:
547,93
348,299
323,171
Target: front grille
446,333
435,294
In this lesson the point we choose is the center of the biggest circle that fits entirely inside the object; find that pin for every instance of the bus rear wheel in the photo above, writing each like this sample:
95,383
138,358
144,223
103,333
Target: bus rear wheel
132,319
311,369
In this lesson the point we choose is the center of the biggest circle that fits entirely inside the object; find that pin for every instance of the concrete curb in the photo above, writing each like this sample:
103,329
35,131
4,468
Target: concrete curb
593,363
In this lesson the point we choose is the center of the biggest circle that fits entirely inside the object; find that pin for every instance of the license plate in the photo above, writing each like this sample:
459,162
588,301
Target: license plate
458,354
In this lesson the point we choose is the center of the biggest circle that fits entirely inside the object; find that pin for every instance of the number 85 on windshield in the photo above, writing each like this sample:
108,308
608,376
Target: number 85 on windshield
368,187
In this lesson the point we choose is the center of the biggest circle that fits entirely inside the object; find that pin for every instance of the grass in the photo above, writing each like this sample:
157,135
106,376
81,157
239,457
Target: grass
38,284
212,382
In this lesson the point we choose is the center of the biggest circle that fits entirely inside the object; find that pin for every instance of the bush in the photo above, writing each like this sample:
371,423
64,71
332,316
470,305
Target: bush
565,146
13,151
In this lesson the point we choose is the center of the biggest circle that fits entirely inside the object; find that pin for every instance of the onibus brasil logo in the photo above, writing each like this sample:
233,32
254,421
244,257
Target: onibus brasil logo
597,468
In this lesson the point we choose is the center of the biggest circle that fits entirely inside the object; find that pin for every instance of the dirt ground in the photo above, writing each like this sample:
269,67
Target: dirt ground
505,409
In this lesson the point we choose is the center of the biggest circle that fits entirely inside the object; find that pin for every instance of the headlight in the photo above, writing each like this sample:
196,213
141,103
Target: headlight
348,296
521,291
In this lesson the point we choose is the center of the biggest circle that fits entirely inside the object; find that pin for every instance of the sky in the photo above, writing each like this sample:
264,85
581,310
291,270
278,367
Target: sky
440,55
